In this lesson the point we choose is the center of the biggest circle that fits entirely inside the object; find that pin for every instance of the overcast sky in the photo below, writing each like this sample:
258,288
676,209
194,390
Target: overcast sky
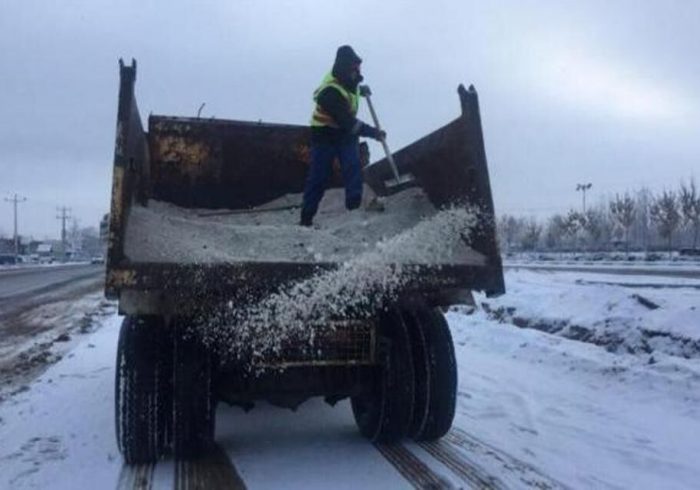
592,91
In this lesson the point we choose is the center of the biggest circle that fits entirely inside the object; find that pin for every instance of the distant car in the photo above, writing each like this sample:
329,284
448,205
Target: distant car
7,259
97,259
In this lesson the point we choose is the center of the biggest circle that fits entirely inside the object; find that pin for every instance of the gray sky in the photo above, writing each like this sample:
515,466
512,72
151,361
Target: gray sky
592,91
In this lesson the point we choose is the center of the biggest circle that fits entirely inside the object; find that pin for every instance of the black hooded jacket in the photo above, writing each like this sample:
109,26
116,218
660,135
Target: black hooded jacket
337,106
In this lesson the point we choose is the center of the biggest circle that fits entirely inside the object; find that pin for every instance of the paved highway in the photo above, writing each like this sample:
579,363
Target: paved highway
38,305
25,288
20,282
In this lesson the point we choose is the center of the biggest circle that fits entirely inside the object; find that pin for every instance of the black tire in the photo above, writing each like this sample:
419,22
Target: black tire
436,374
194,406
383,413
421,373
142,389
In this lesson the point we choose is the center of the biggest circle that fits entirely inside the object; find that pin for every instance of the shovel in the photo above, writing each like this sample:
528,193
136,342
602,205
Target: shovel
399,180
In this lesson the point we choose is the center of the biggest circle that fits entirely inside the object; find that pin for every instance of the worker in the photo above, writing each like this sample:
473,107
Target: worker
335,131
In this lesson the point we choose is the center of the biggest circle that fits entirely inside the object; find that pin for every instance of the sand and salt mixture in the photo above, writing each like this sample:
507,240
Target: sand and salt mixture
163,232
358,288
376,253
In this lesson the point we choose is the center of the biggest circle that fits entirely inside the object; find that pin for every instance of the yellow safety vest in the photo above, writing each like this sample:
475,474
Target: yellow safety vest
322,118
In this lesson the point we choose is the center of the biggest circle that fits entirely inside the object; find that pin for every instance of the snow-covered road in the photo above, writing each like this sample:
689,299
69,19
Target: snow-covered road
534,410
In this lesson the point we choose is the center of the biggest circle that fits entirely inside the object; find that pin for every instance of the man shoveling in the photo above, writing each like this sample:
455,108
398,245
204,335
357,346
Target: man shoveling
335,132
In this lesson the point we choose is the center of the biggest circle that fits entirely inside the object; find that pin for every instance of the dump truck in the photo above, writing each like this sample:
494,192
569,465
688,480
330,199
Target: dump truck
183,248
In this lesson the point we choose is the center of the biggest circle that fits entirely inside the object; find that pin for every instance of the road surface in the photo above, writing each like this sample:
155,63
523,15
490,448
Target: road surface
15,283
40,309
633,270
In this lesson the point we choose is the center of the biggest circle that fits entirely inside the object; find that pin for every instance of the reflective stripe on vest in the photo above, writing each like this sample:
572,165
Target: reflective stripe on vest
321,117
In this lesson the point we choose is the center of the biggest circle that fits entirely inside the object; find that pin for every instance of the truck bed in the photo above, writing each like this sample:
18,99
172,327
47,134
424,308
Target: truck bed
191,198
165,233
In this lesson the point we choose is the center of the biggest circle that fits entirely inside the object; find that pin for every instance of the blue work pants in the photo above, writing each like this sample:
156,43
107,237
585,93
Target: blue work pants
322,156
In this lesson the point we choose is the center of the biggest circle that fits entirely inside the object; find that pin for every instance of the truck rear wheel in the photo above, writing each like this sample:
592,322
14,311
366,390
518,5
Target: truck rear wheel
194,406
435,373
143,386
383,413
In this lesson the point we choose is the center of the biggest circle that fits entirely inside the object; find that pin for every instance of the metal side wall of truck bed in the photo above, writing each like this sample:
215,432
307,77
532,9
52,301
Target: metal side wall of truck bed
450,165
196,162
130,173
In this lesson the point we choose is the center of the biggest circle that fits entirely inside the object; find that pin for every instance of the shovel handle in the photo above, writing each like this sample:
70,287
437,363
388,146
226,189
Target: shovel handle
388,154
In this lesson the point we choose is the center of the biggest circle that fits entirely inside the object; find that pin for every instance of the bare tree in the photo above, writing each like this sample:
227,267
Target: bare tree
623,211
509,227
664,212
531,234
556,228
690,206
642,222
574,222
597,226
90,240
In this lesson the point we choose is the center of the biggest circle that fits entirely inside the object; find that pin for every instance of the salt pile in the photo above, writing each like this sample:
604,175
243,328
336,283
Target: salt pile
162,232
360,285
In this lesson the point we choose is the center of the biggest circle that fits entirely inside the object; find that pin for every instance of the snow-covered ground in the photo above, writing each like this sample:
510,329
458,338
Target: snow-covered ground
638,314
534,408
587,417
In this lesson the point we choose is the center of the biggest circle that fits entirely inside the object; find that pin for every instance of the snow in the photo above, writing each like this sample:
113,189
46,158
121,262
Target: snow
586,417
59,433
316,447
529,403
163,232
608,309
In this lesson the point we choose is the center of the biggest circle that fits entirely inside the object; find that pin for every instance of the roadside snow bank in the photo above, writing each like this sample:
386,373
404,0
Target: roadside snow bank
359,285
640,315
586,417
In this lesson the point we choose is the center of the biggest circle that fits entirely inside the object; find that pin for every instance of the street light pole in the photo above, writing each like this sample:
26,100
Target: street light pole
583,188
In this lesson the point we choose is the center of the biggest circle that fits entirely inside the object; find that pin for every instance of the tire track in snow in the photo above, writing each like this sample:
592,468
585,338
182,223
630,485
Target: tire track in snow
215,470
415,471
460,466
136,477
509,465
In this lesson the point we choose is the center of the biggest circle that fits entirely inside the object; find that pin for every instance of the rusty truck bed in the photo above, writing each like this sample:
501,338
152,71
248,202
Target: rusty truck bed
212,164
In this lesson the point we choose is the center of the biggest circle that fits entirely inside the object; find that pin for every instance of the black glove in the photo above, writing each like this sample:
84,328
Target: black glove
365,91
379,134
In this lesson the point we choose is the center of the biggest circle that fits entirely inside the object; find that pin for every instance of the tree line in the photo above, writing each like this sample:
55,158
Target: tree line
632,221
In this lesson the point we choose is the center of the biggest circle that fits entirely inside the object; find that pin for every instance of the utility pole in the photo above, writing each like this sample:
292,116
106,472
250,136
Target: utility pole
16,200
64,215
583,188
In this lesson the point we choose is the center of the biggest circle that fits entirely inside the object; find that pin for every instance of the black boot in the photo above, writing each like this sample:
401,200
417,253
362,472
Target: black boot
306,219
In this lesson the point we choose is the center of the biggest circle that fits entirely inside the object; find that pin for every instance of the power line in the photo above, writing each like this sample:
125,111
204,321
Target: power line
16,199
